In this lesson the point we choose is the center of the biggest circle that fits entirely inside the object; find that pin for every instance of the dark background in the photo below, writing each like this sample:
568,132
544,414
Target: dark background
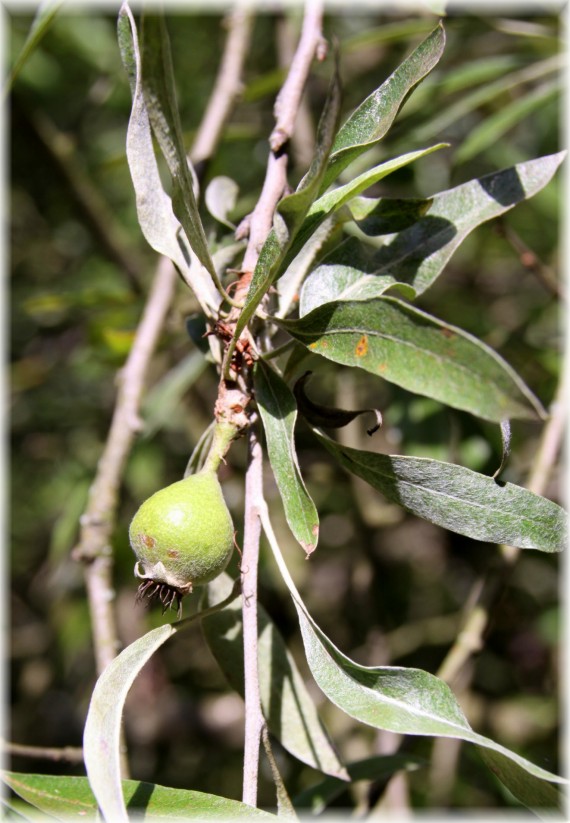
386,587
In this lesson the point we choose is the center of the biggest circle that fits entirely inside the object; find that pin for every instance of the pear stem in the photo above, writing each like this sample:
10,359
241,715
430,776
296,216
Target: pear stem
224,434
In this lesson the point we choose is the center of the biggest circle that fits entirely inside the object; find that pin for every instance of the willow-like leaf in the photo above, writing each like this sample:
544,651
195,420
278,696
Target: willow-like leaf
403,345
459,499
278,411
405,700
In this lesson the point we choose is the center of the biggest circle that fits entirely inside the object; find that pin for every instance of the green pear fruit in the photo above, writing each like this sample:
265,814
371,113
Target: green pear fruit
183,536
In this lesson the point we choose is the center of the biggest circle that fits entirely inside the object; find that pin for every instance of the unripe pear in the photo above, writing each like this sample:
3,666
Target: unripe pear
183,536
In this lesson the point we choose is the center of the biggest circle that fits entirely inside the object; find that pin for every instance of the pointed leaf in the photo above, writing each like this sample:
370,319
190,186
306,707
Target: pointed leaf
101,736
372,119
397,699
529,789
417,255
64,798
418,352
288,708
43,19
160,98
332,201
154,208
459,499
278,411
342,276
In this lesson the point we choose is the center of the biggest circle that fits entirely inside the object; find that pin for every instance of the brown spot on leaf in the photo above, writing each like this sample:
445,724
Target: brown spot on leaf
362,346
382,367
149,541
173,553
447,332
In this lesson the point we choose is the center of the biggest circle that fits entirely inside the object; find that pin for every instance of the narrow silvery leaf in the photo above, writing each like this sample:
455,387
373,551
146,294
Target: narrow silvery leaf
101,738
397,699
71,798
386,215
332,201
160,97
408,347
417,255
154,208
288,708
459,499
278,411
341,275
372,119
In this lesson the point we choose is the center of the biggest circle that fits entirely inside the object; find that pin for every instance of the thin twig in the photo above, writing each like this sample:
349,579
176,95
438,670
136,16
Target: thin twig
259,225
303,136
286,107
261,219
254,721
530,260
228,85
67,754
289,98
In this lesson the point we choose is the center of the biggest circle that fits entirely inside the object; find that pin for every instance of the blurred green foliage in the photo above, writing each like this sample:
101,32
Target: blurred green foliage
384,587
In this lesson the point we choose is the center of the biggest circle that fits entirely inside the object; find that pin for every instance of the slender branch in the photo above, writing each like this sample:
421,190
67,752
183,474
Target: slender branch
261,219
259,225
303,136
289,98
286,107
98,520
530,260
228,85
254,721
67,754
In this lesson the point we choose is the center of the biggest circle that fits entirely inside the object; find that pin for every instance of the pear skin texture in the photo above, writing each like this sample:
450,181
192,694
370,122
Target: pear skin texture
183,535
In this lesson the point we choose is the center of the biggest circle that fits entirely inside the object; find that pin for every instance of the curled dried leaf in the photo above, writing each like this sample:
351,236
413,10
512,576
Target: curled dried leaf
329,417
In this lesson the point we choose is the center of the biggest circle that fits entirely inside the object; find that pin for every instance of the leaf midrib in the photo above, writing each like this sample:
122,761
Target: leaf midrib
435,355
436,492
